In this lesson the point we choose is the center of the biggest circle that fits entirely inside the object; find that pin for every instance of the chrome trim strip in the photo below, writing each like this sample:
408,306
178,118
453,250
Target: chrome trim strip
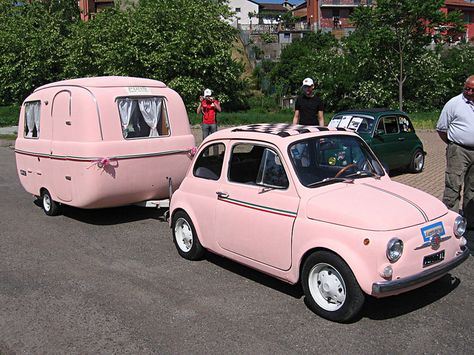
402,198
427,244
93,159
379,288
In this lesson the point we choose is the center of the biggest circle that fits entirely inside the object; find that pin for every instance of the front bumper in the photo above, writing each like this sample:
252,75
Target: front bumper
379,288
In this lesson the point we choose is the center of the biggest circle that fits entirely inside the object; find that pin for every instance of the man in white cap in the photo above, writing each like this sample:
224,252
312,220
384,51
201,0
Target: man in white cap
208,106
309,109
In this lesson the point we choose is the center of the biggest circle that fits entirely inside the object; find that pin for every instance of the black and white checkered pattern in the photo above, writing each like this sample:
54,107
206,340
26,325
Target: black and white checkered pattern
283,129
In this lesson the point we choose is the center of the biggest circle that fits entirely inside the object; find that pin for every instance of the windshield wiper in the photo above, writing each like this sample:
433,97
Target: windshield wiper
329,181
364,173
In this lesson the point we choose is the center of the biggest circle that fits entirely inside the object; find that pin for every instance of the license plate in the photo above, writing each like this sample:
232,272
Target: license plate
433,258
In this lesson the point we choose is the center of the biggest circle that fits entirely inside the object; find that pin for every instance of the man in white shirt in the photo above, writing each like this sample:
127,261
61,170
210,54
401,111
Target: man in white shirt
456,128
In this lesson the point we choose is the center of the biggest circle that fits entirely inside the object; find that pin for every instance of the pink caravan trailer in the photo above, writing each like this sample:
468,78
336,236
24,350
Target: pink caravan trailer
102,142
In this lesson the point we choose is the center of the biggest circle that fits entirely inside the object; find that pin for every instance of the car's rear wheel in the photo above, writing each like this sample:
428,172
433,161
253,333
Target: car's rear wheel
50,207
185,237
330,288
417,161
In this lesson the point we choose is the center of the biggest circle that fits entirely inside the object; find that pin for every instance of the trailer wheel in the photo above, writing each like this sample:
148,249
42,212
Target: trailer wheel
50,207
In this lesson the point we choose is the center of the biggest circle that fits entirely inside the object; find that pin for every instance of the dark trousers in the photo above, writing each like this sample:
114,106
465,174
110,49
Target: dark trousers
459,172
208,129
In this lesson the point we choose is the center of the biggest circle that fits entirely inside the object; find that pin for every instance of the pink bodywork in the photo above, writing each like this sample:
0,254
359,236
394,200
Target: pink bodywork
81,156
274,230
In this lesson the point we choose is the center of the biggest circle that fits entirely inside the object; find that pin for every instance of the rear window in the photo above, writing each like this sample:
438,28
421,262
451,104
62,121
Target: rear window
143,117
358,123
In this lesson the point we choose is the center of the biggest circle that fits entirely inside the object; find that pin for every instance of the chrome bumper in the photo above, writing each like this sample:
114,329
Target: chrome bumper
427,275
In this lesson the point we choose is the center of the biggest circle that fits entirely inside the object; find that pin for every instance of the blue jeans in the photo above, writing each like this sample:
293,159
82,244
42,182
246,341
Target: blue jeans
208,129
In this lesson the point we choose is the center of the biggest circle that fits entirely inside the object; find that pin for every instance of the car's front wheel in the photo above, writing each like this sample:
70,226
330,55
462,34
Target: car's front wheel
185,237
330,287
417,161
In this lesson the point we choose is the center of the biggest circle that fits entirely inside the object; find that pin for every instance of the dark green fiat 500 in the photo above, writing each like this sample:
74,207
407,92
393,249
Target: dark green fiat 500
389,133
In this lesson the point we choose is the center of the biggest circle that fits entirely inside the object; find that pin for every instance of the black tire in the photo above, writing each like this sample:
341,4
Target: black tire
417,161
331,289
185,237
50,207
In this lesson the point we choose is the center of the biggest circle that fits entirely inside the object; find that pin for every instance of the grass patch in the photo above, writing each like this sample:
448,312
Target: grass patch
9,115
421,120
8,137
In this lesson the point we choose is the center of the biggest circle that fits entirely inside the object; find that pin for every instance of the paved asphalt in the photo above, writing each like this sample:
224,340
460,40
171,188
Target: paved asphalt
110,281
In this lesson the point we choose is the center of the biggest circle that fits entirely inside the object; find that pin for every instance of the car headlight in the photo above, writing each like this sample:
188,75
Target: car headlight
394,249
460,225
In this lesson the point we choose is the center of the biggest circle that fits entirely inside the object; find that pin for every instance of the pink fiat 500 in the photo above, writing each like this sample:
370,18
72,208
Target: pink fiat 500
313,205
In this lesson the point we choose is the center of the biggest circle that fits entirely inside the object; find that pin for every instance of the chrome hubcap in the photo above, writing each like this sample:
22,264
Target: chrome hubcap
419,160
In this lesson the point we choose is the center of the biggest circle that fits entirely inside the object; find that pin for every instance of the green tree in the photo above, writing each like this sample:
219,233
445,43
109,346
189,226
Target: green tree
184,43
31,34
300,59
394,34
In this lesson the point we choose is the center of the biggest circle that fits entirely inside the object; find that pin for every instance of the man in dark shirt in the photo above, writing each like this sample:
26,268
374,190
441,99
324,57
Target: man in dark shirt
309,109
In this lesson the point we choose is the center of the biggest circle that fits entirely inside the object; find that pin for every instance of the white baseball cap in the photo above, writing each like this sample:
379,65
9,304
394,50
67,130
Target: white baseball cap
207,92
308,82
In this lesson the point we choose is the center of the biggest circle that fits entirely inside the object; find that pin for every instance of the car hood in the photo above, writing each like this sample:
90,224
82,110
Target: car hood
373,205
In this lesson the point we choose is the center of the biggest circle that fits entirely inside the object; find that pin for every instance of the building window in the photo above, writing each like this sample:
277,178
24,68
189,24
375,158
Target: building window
237,9
468,17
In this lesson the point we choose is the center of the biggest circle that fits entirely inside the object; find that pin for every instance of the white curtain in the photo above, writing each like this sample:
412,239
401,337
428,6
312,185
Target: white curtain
36,110
126,110
150,109
30,118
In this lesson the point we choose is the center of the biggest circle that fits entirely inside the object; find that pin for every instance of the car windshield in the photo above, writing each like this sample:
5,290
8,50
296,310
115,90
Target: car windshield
359,123
333,158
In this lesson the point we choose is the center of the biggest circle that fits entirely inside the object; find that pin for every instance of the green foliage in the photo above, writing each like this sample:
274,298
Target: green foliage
302,59
9,115
391,38
389,53
31,34
184,43
268,38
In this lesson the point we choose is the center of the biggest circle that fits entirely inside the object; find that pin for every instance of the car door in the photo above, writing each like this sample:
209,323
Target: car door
257,206
409,141
386,141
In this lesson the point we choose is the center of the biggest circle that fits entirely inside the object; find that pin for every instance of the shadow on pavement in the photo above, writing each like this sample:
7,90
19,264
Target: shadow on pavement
111,216
376,309
294,291
395,306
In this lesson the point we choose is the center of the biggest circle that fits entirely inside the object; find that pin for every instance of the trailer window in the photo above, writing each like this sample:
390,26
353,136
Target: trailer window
32,119
144,117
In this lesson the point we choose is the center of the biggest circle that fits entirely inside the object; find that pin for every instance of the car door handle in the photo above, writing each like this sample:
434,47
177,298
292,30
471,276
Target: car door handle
222,194
401,139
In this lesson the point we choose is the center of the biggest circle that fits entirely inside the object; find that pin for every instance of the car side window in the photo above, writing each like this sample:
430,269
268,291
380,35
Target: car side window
271,172
391,124
405,125
209,163
256,165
